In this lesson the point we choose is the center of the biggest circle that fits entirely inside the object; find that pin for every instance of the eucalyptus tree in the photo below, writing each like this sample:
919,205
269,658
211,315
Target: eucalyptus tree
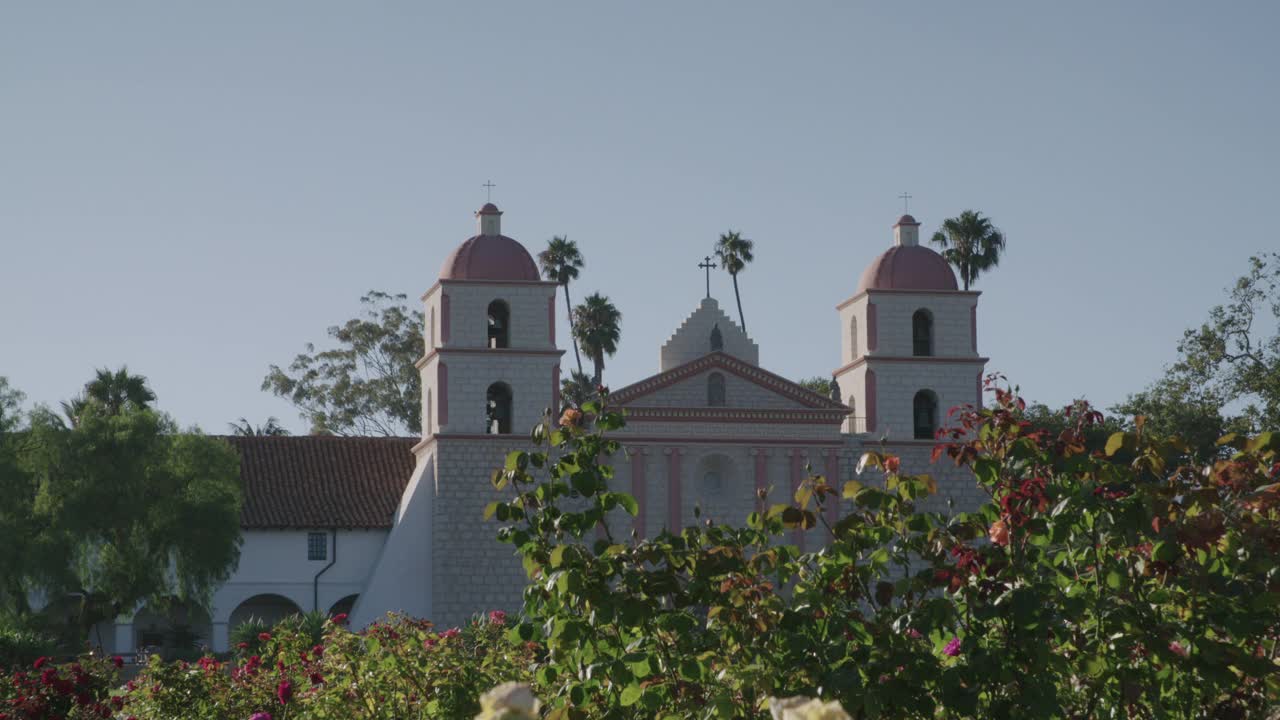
597,327
560,263
734,253
970,243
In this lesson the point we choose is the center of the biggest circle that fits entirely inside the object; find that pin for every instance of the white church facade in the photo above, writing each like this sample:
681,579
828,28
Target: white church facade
374,525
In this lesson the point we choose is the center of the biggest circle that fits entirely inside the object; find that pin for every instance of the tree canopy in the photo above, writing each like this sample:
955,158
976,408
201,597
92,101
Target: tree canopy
1227,375
367,384
597,325
118,508
735,253
971,244
560,263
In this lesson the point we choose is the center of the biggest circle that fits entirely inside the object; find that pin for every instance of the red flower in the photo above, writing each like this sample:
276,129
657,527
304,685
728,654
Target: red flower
40,662
284,691
892,464
451,632
498,617
243,645
318,651
265,636
339,619
316,678
117,661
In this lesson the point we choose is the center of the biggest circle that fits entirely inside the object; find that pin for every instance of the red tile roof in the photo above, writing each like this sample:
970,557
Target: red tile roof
322,481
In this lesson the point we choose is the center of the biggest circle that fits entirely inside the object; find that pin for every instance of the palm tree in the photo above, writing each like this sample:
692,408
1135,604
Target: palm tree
113,392
596,326
575,390
271,428
734,252
119,391
970,243
560,263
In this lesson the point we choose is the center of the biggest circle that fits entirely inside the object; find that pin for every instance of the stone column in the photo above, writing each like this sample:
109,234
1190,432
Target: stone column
833,479
639,487
123,643
221,640
797,477
674,498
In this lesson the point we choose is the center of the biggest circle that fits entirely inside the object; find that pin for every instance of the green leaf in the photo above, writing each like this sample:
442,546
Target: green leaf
490,509
557,556
1114,443
631,694
1164,552
628,503
851,489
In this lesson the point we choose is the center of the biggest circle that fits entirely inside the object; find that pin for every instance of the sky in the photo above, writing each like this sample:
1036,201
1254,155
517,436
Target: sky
198,190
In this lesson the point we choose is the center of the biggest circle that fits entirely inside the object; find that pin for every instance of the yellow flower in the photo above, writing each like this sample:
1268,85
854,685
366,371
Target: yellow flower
803,708
510,701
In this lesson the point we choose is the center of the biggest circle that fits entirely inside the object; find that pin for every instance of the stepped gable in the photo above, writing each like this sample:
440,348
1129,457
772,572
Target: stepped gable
315,481
727,363
693,339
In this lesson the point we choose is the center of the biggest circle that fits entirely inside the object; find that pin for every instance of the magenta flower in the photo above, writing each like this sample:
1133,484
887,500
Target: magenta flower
953,648
913,633
284,691
498,617
451,632
260,716
1177,649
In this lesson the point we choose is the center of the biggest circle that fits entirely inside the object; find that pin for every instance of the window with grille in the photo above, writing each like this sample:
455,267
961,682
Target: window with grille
317,546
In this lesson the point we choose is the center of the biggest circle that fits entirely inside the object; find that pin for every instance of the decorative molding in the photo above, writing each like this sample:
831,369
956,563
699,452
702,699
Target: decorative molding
496,352
731,364
889,291
926,359
691,440
736,415
472,283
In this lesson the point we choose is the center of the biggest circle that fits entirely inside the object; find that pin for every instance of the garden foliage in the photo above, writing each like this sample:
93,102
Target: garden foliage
1120,582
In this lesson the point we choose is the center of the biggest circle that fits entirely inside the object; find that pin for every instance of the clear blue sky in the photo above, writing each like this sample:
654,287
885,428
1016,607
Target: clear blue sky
199,189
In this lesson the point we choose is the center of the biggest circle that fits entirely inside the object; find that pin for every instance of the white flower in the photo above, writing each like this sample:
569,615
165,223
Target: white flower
509,701
803,708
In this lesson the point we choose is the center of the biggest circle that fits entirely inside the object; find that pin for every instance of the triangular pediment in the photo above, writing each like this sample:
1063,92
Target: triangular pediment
748,388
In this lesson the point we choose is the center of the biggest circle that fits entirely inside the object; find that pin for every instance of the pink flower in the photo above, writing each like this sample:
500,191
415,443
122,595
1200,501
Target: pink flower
497,617
450,633
339,619
913,633
429,643
264,636
1176,648
260,716
953,648
284,691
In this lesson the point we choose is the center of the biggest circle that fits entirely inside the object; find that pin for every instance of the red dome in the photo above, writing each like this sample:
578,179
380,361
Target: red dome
490,257
908,267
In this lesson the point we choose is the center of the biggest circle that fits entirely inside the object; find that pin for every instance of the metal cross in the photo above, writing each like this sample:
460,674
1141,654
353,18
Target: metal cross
708,266
488,190
905,197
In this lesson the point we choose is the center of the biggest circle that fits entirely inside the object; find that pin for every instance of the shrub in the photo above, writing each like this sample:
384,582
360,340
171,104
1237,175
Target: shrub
1086,587
20,648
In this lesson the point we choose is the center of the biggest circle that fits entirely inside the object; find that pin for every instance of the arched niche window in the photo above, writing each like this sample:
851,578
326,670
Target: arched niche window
924,414
717,340
499,324
712,483
497,409
715,390
922,333
853,338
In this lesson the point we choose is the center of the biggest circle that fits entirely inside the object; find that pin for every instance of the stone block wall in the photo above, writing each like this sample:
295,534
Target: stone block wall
692,339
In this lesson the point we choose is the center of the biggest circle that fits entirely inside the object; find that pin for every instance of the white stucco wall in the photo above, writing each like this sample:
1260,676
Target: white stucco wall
400,575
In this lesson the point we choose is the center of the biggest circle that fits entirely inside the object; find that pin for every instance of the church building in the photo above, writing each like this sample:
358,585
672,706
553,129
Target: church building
372,525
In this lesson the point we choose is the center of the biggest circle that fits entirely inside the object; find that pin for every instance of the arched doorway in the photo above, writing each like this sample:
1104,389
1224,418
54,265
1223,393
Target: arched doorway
179,630
343,606
266,608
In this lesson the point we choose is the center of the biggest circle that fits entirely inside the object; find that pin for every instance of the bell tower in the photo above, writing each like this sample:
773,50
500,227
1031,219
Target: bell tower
491,366
909,350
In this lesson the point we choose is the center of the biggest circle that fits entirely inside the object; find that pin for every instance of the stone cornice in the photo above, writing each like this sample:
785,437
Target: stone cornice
833,416
728,363
926,359
496,283
872,293
493,352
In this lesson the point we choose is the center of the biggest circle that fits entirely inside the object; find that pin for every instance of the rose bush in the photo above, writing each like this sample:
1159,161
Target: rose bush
1122,582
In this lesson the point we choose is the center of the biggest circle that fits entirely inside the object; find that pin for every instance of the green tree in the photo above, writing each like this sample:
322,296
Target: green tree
597,326
734,253
17,525
271,428
576,390
818,384
560,263
1227,375
368,384
114,391
10,405
971,244
125,508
